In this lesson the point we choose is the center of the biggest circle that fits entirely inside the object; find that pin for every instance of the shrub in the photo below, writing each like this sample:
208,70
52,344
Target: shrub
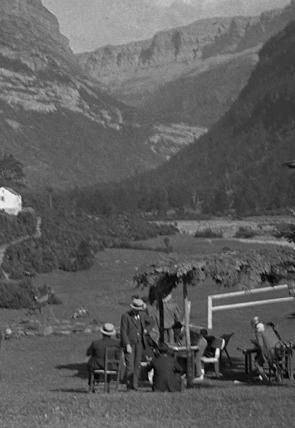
16,295
20,294
208,233
13,227
47,289
69,241
167,229
245,232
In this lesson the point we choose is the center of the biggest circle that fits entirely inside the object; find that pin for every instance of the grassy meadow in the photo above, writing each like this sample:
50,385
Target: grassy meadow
44,379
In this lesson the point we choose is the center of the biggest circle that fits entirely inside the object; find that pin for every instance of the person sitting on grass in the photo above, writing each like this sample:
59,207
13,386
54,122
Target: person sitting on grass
96,350
167,371
266,341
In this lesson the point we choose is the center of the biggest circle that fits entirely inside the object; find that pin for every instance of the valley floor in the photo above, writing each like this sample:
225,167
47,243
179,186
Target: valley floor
44,379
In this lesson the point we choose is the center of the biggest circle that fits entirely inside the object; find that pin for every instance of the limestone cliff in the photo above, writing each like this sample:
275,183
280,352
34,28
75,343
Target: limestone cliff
182,45
185,45
33,11
186,60
60,122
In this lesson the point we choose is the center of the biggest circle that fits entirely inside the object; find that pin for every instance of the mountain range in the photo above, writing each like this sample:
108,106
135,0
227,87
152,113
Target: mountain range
64,124
238,164
60,123
96,23
189,74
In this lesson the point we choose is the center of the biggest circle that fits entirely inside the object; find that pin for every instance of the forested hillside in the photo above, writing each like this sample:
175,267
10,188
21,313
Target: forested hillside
240,161
238,164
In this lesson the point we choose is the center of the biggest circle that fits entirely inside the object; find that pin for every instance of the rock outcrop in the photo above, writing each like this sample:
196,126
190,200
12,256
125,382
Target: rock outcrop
30,34
185,45
33,11
62,124
177,46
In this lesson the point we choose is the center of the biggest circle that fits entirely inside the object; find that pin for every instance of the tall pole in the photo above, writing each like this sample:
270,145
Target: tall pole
161,316
186,311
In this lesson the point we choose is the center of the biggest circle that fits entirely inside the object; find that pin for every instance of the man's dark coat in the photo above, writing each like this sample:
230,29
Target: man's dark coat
166,373
129,330
96,351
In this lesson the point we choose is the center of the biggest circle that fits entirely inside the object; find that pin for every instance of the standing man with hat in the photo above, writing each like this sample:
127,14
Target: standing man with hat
135,324
96,350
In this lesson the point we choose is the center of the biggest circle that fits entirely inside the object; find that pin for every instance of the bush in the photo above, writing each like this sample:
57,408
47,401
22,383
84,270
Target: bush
208,233
16,295
14,227
69,241
245,233
20,294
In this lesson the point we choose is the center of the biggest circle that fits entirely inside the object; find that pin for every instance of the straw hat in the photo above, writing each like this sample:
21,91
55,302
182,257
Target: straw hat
108,329
138,304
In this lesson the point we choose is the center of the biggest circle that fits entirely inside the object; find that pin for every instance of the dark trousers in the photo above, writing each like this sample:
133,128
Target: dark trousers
169,336
133,361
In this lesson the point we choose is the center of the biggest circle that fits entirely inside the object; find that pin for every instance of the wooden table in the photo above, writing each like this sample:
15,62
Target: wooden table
181,352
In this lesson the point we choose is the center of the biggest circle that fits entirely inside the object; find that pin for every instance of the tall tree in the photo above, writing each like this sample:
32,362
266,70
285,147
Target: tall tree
11,171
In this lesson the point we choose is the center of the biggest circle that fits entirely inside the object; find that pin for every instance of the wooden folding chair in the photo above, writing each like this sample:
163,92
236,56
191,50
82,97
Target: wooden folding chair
227,338
216,346
112,368
281,364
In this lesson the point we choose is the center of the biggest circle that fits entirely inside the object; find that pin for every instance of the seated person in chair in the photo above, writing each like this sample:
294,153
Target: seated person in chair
167,371
266,340
96,350
197,339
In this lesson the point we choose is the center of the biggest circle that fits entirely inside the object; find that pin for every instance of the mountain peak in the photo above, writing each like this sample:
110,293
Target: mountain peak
34,12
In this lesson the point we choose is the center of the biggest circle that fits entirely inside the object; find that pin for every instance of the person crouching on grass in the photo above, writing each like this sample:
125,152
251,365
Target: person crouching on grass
166,371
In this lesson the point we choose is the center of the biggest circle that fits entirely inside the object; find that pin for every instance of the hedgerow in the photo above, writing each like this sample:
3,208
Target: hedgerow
14,227
70,242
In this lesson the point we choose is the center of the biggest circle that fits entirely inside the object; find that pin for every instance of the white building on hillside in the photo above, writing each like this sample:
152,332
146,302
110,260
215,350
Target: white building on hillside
10,201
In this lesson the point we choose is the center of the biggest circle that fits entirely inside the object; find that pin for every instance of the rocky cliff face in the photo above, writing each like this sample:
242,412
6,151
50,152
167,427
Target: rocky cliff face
177,46
138,72
60,123
30,34
185,45
34,13
103,22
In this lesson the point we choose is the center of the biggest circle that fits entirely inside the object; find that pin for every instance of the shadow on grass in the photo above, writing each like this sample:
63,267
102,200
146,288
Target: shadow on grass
291,316
235,373
80,369
71,390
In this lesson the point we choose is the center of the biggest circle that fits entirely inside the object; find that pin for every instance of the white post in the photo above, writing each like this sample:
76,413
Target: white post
210,326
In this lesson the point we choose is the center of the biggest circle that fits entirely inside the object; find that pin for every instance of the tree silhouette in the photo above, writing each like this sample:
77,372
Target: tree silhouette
11,171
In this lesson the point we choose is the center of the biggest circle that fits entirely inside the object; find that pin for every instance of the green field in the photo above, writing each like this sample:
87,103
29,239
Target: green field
44,381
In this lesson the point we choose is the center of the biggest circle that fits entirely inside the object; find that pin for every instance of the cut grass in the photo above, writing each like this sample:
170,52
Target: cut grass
44,379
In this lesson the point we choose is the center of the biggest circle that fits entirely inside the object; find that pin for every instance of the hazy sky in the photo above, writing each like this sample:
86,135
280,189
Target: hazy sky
92,23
